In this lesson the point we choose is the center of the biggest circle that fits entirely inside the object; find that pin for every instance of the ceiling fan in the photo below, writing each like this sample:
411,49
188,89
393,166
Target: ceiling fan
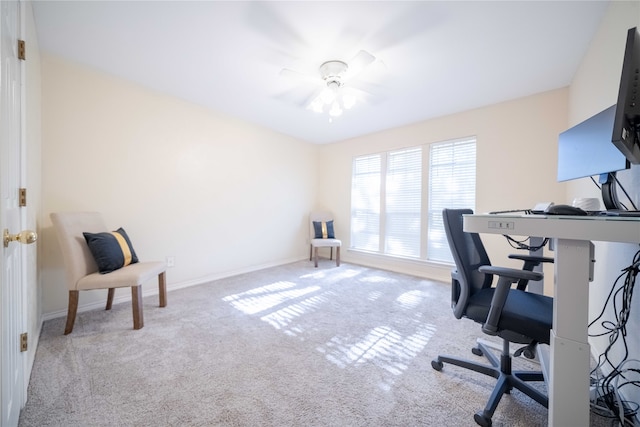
335,88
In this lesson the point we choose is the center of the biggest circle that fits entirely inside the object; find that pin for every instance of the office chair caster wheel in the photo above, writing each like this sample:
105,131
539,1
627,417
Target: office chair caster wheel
482,420
477,351
436,365
528,351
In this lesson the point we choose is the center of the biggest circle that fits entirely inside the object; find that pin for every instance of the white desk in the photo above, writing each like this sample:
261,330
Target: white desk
570,352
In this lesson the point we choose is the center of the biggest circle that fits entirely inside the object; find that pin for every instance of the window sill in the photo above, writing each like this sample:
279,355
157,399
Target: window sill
433,270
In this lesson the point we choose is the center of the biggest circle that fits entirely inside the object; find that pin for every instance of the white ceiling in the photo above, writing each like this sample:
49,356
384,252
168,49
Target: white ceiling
437,57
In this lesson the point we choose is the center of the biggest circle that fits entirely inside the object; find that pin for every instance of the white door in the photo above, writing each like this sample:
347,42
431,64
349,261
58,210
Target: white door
12,289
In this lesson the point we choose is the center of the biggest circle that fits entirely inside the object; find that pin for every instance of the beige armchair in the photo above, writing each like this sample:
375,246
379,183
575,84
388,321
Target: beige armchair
82,270
321,235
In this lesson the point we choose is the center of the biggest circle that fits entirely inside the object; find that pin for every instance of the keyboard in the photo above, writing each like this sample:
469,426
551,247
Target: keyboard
632,214
621,213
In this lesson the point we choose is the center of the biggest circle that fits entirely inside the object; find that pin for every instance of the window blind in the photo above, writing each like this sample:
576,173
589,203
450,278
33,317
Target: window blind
365,202
452,184
403,202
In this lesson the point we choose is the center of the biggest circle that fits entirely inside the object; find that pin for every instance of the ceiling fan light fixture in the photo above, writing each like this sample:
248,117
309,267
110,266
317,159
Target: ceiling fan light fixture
317,105
333,70
329,94
334,87
334,94
348,100
335,110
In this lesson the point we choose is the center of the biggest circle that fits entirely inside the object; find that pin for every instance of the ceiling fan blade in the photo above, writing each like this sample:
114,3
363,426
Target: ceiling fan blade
299,77
358,63
263,17
300,96
365,96
362,59
418,18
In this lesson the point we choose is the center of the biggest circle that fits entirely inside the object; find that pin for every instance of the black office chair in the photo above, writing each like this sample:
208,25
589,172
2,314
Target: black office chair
513,314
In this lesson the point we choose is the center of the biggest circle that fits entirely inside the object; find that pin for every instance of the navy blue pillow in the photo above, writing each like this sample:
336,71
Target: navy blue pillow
111,250
323,230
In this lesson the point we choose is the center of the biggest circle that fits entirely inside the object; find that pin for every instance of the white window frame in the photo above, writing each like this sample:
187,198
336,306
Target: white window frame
370,230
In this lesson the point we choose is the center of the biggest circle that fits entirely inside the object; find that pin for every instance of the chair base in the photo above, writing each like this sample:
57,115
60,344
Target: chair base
136,303
501,370
313,253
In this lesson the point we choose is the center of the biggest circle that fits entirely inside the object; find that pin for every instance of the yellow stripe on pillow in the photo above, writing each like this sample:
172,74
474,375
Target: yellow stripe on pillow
126,252
325,233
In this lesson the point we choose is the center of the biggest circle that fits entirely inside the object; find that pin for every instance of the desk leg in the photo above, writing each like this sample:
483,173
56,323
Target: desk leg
570,352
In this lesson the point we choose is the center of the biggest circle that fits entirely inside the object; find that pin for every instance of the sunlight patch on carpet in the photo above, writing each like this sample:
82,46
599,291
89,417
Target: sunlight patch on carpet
383,346
266,297
374,295
378,279
411,299
282,318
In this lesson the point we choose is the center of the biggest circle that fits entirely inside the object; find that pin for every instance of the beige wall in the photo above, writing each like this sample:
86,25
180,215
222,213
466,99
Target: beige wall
220,195
595,87
516,165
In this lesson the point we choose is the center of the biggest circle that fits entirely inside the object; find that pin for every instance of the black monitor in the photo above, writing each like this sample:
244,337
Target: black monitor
626,128
586,150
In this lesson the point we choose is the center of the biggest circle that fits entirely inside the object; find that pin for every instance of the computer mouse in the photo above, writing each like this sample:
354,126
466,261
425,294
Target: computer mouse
565,210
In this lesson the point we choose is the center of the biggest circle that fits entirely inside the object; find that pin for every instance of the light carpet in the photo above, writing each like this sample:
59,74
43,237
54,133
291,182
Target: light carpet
286,346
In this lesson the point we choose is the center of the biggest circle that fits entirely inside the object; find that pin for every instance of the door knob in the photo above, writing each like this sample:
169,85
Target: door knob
26,237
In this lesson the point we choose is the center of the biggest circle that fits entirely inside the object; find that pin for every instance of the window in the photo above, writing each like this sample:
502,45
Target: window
452,184
387,198
365,203
403,202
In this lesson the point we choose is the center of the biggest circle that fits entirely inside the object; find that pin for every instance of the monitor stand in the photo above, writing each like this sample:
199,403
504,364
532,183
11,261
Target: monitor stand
610,192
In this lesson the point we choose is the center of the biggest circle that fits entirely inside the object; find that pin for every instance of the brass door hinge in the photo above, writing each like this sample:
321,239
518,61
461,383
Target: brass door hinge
23,197
22,50
23,342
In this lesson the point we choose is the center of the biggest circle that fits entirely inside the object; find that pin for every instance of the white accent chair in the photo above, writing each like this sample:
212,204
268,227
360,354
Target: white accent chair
322,216
82,271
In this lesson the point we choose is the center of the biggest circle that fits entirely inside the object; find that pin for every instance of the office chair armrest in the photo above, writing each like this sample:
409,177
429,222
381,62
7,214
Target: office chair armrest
511,273
531,258
530,261
507,276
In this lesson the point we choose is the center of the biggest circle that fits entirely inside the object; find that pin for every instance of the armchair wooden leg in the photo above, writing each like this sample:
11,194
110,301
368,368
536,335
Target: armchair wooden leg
315,257
310,252
330,253
72,310
338,256
162,289
110,294
136,302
